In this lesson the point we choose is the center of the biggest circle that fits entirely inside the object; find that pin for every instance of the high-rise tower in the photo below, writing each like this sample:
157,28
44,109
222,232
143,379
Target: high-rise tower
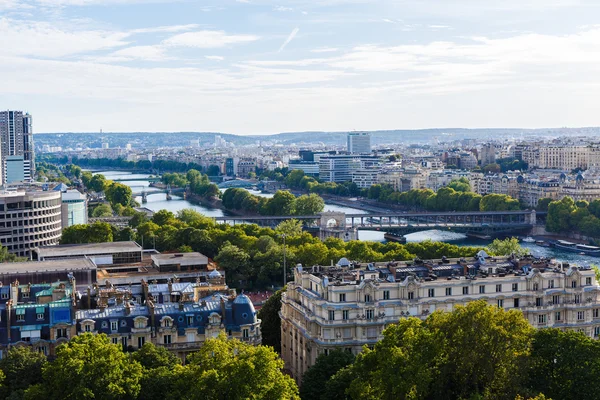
16,140
359,143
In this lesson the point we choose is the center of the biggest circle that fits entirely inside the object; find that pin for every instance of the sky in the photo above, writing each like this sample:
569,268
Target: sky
262,66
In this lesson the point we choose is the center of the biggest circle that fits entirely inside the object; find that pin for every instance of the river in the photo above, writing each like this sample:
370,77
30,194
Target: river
158,202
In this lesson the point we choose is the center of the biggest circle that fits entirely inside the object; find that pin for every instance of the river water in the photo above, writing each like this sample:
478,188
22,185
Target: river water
158,202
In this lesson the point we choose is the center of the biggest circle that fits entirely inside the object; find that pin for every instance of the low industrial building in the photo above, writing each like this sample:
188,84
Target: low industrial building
43,272
103,254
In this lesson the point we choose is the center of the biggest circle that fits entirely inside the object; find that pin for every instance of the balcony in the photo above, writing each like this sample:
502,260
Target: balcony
141,330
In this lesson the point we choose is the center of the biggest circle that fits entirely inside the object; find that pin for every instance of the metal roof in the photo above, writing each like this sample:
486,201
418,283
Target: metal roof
70,250
46,266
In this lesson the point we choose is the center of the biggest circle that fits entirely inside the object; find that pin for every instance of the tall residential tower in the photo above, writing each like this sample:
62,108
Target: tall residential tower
16,141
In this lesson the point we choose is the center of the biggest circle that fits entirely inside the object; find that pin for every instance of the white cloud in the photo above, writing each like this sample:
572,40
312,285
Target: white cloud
290,37
324,50
207,39
43,39
283,9
168,28
215,58
147,53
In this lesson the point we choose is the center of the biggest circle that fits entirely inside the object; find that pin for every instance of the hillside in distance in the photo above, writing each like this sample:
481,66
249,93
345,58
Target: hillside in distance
183,139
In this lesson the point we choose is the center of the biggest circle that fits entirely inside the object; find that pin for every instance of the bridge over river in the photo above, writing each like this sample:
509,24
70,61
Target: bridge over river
345,225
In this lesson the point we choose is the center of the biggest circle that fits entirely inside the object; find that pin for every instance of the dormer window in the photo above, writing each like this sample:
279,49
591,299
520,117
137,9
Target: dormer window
140,322
166,322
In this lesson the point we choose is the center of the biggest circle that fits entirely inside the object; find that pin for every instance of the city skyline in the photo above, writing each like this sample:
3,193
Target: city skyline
264,67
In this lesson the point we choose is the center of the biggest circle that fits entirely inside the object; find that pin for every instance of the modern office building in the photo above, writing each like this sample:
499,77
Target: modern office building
29,219
340,167
347,306
16,170
74,208
359,143
16,139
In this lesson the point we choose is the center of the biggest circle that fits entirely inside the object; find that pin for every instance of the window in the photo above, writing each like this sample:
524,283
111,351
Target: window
331,315
574,284
190,337
536,286
577,298
372,332
87,328
500,303
557,316
411,295
342,297
167,322
25,295
580,315
448,291
555,299
551,284
141,341
431,292
190,319
542,319
40,316
4,295
465,290
369,314
498,288
515,287
347,333
20,317
516,303
386,295
167,339
367,298
588,281
345,314
114,325
61,333
115,340
140,322
245,333
481,288
596,312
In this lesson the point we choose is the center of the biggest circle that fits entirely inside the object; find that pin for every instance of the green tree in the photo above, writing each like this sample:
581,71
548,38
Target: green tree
270,322
543,204
151,357
315,379
564,365
232,259
22,367
460,185
97,183
102,210
90,367
118,193
163,217
559,215
230,369
492,168
282,203
137,219
99,232
498,202
311,204
290,227
507,247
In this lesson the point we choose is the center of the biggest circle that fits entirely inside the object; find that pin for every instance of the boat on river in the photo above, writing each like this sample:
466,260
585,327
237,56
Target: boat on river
394,237
582,249
528,239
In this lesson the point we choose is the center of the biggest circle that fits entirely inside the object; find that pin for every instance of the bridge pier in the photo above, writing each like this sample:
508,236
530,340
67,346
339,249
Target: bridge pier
144,197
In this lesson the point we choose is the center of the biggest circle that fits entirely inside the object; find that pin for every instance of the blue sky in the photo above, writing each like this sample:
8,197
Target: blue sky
261,66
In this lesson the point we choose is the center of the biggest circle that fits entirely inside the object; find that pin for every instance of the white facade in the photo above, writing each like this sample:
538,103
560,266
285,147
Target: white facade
341,307
359,143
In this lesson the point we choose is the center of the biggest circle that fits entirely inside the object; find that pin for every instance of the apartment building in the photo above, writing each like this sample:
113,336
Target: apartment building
348,305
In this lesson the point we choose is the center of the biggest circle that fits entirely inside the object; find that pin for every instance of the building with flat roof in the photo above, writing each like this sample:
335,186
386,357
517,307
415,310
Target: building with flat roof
16,139
359,143
348,305
110,253
38,272
177,262
29,219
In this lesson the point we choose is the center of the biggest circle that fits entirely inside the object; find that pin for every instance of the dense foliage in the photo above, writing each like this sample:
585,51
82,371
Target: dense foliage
253,256
121,163
197,183
270,322
566,215
91,367
316,378
282,203
475,352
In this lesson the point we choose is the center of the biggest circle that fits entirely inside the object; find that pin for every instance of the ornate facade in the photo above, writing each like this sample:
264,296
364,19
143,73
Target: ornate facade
348,306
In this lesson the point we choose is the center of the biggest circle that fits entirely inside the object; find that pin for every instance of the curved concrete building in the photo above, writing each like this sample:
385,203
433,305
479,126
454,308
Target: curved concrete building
29,220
